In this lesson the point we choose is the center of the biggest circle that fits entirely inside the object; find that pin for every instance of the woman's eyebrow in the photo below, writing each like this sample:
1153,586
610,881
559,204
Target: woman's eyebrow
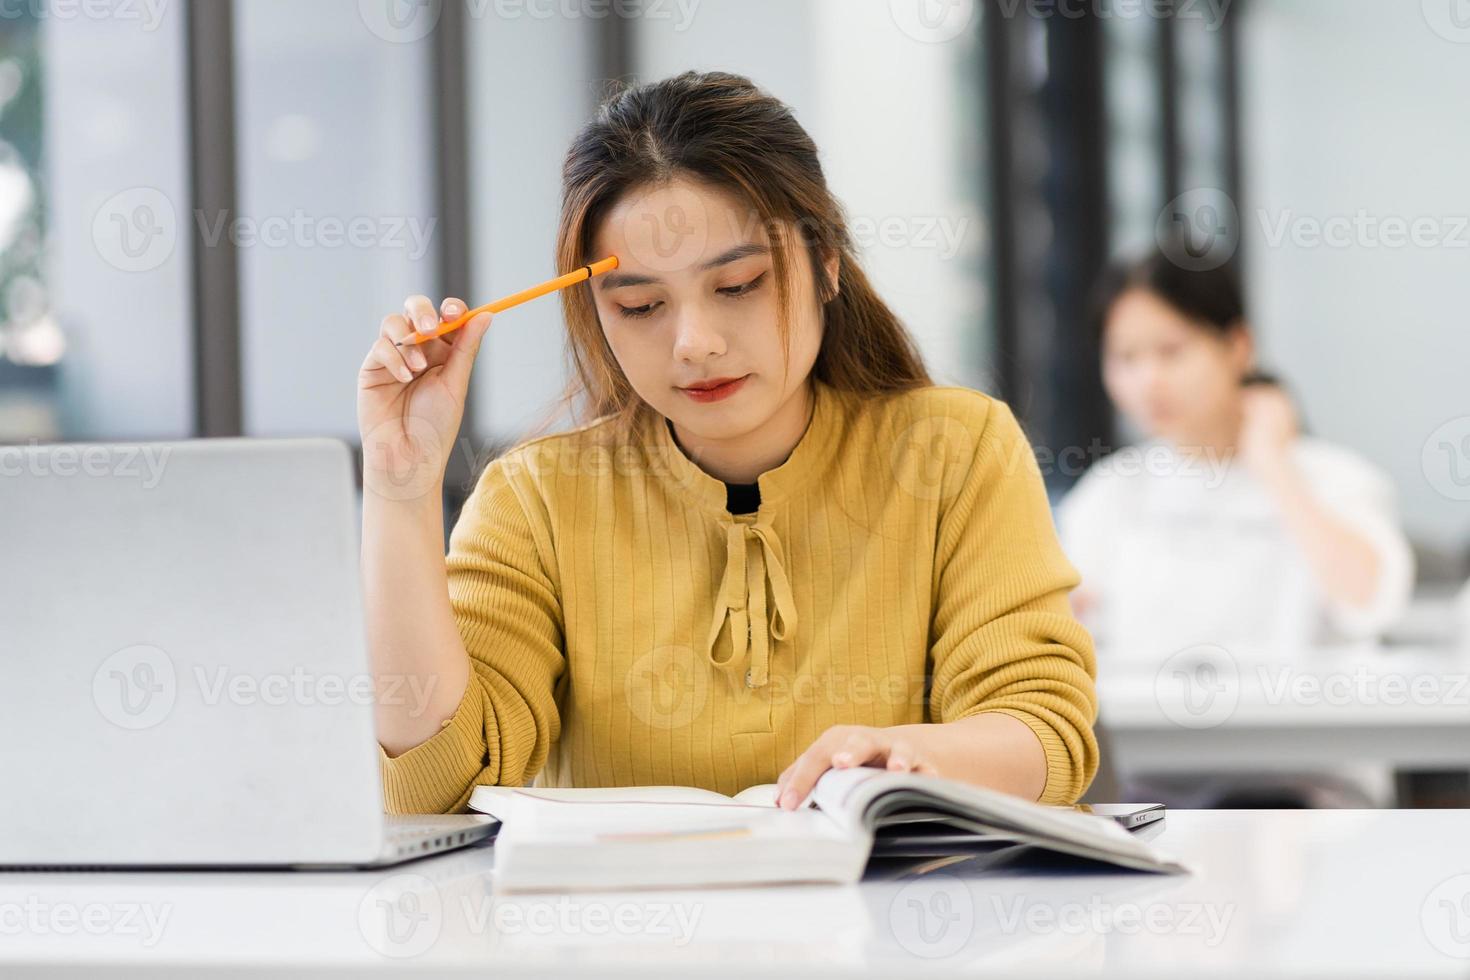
617,280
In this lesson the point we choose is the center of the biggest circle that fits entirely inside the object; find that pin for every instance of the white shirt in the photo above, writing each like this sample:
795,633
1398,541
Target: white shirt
1178,552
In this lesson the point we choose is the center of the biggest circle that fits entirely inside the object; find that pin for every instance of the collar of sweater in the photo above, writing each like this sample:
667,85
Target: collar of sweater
812,457
745,628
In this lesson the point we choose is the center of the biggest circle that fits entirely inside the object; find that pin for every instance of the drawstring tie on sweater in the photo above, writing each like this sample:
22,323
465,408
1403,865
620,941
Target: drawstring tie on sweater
752,559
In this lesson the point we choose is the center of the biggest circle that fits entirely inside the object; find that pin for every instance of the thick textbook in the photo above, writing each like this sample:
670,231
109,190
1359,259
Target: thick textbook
677,837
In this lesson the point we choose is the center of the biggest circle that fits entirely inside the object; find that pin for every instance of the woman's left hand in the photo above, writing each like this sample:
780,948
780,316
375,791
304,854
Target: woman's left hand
900,749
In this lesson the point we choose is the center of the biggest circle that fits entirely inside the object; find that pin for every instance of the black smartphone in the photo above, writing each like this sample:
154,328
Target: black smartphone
1130,815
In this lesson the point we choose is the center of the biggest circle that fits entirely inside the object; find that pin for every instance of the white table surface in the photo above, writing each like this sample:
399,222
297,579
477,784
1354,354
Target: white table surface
1208,710
1274,893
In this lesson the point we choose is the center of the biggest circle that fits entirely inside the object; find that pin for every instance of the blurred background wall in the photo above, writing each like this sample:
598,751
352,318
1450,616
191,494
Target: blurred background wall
206,208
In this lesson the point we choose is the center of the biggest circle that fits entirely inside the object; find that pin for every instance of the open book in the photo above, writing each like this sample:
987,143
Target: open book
672,836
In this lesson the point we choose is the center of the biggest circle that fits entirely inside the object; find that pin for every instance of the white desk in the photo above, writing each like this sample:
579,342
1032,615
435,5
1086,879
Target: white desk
1209,711
1283,893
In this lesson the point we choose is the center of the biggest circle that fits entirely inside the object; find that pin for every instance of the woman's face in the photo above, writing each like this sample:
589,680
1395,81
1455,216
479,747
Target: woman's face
1175,379
694,300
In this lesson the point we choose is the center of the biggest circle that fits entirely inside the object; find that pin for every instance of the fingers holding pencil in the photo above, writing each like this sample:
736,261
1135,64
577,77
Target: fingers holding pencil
386,362
460,348
387,356
421,321
390,360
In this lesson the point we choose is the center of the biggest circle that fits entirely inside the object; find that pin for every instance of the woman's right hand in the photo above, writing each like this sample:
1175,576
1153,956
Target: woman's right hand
410,399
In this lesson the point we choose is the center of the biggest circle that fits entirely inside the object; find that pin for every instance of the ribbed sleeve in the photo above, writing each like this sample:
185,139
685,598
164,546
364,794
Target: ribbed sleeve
505,604
1004,635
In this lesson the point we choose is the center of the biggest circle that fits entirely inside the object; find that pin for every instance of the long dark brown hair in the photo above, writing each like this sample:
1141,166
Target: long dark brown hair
720,130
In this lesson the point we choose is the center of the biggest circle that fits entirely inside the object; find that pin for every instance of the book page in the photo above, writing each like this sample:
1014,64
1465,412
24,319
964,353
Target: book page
762,795
497,800
837,794
867,797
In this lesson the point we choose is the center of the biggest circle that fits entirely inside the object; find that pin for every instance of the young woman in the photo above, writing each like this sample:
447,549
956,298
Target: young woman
776,548
1226,525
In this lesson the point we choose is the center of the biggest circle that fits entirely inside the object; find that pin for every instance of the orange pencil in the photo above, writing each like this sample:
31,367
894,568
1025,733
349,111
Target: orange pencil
515,299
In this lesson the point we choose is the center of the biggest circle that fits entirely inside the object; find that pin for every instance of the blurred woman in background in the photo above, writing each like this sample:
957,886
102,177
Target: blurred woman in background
1225,525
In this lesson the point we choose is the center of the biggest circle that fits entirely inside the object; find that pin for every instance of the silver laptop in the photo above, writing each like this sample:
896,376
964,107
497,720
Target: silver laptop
184,679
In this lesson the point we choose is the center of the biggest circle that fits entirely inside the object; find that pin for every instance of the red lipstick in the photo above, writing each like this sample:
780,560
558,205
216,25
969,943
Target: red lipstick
713,389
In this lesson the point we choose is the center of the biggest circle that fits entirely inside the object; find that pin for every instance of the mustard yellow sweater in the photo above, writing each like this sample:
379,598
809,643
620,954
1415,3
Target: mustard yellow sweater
625,629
